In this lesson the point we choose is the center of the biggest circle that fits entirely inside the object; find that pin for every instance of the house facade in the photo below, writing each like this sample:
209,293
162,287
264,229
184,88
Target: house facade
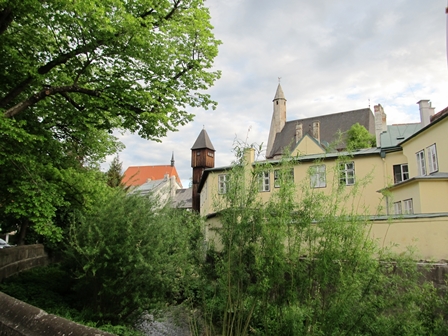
402,183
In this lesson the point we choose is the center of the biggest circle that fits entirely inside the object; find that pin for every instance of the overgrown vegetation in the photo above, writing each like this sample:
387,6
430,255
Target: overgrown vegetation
301,263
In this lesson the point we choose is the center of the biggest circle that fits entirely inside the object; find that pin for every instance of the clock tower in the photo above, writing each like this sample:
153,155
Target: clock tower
202,157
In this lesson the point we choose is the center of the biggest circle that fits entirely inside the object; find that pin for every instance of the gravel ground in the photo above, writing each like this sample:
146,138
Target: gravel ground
173,323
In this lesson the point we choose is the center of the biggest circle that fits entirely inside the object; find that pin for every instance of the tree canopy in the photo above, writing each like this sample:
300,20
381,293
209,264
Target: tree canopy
133,64
72,71
359,137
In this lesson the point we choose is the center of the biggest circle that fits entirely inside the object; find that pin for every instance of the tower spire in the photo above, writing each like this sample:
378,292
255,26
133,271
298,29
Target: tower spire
172,160
278,118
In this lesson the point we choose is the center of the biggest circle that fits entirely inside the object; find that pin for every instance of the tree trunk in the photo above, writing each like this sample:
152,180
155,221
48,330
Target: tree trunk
22,233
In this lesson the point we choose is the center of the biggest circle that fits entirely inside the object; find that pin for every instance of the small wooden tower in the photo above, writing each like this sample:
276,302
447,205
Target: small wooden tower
202,156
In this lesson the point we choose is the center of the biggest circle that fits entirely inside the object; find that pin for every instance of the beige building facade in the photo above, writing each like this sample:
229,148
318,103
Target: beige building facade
401,185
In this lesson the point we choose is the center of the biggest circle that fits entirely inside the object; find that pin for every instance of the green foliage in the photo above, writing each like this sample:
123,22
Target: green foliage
303,264
49,288
73,72
127,257
115,173
358,137
134,65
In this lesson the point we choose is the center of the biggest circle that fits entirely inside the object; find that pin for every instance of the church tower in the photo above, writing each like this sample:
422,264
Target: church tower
202,156
278,118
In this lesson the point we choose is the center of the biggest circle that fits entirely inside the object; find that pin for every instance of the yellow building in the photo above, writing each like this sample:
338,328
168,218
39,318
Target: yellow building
402,183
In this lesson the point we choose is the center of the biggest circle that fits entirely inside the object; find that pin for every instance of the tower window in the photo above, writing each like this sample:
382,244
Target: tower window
210,154
198,153
277,102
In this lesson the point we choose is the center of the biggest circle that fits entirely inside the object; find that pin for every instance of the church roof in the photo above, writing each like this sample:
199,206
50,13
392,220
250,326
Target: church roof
330,125
138,175
279,94
203,141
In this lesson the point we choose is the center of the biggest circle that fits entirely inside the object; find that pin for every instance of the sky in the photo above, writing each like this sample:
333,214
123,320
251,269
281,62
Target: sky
331,56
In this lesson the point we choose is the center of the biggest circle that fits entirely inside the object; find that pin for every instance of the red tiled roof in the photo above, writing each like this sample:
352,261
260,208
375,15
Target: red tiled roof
439,114
135,176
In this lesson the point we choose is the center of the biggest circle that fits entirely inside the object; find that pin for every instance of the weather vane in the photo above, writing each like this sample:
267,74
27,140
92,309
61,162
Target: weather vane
279,78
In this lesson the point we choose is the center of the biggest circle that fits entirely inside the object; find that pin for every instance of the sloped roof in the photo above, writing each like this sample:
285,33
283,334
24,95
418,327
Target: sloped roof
138,175
330,124
279,93
203,141
439,114
183,198
397,133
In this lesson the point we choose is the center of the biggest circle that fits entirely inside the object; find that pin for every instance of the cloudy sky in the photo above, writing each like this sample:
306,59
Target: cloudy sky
331,55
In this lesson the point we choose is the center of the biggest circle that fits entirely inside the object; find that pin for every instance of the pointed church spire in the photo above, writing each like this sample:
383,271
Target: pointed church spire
172,160
278,119
279,94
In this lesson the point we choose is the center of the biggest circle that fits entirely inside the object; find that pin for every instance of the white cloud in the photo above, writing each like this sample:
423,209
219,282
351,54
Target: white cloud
332,56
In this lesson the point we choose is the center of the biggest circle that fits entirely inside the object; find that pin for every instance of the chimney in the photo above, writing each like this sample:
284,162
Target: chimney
249,155
299,132
380,123
426,111
316,130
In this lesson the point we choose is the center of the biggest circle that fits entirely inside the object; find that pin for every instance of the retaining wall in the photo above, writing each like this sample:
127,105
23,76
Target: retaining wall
20,258
18,318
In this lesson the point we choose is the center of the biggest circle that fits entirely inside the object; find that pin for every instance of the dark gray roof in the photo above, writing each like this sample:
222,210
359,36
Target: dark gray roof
183,198
203,141
330,124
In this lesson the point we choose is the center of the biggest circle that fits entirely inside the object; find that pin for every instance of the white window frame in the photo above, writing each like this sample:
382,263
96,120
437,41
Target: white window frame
264,180
408,206
433,165
421,162
277,176
318,176
398,210
403,174
347,173
223,183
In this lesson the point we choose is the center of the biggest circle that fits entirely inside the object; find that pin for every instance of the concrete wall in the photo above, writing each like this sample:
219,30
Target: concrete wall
20,258
18,318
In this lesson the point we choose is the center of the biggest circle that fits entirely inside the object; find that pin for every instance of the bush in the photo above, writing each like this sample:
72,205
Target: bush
128,254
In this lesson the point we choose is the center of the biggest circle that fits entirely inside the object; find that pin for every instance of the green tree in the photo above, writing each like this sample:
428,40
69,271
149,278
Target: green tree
127,257
134,65
73,71
303,264
358,137
115,173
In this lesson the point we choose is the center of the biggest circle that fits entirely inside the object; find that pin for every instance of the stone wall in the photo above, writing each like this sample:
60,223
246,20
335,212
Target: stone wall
20,258
18,318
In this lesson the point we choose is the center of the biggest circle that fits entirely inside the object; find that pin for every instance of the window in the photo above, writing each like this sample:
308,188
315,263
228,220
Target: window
432,159
264,181
401,173
210,154
223,183
289,176
347,173
408,206
397,208
421,163
318,176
